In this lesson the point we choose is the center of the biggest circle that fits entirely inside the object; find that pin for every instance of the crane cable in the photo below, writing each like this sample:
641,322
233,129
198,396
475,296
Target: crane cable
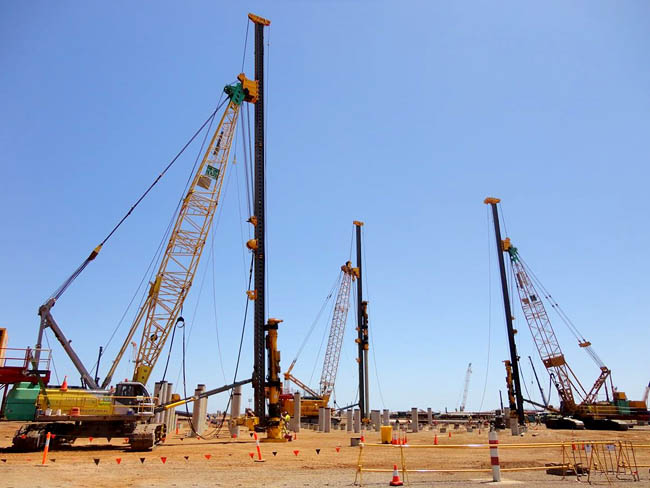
61,289
563,316
555,306
241,342
318,315
326,330
53,364
489,341
372,341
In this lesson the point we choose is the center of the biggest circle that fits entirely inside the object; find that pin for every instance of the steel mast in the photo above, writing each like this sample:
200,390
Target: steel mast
362,333
258,221
506,304
265,334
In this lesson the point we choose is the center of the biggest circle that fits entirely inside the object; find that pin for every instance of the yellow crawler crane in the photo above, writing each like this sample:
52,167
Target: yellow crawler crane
128,410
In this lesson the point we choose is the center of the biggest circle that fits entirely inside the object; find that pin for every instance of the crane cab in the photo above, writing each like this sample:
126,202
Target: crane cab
132,398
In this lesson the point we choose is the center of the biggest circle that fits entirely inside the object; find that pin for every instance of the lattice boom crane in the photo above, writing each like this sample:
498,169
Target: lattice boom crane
576,401
173,280
468,374
566,382
332,352
335,341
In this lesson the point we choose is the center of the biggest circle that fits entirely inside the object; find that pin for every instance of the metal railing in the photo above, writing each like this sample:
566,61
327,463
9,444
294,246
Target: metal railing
25,358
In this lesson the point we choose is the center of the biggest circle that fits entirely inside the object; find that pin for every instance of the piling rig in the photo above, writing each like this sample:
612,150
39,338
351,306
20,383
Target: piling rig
578,406
128,409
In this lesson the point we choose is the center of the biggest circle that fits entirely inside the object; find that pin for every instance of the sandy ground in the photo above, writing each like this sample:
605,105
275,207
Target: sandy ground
226,462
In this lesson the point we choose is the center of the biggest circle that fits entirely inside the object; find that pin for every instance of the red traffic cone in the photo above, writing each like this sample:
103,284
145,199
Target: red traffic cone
395,481
64,386
435,440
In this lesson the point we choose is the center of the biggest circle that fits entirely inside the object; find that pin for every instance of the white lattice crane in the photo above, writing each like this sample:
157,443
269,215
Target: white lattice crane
332,352
468,374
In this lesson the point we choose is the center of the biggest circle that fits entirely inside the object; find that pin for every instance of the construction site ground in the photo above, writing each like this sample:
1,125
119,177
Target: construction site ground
313,459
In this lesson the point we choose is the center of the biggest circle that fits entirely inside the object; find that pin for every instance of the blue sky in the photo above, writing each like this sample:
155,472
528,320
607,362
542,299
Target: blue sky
405,115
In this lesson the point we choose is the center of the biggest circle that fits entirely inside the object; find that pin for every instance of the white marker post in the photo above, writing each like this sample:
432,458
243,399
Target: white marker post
494,455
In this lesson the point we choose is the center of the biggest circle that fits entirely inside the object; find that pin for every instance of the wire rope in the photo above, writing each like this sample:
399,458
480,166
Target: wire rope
318,315
156,257
53,365
489,342
171,345
214,308
325,331
243,58
372,341
59,291
523,379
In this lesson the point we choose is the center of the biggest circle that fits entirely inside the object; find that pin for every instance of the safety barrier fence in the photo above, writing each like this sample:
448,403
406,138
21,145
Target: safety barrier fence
615,458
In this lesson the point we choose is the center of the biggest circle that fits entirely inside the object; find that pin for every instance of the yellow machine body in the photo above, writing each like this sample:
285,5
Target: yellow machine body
87,402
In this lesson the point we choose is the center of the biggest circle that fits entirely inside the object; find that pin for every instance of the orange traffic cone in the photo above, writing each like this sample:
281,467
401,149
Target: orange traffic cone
395,481
64,386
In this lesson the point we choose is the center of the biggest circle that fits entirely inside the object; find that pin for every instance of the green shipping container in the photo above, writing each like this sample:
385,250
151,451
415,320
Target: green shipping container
21,402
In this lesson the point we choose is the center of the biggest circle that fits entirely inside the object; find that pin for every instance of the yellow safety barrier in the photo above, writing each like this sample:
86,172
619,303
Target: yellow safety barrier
605,457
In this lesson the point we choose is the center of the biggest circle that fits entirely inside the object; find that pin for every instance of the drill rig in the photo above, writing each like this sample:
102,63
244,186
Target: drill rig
128,410
578,406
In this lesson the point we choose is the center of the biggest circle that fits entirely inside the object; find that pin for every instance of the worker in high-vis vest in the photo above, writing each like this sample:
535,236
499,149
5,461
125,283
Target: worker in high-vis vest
287,418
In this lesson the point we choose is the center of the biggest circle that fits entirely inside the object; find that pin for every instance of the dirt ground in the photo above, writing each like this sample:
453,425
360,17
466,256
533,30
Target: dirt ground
321,460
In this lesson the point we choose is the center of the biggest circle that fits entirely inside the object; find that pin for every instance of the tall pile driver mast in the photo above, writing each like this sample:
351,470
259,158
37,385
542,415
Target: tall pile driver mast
265,334
362,335
514,358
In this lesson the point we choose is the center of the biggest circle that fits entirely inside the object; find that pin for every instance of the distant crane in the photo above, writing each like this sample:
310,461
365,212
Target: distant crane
315,400
579,407
466,387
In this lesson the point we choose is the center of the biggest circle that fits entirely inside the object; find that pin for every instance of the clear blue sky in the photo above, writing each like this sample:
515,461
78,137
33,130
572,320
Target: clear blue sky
404,115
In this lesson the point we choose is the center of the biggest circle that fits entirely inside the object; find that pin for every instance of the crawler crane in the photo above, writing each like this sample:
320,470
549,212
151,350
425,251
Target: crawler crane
128,411
310,404
577,404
